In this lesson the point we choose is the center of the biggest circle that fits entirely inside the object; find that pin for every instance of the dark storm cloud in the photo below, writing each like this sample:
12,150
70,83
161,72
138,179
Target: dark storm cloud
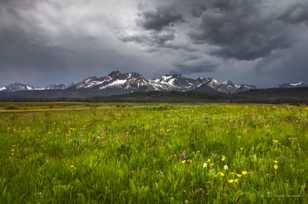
152,39
53,40
20,48
296,14
158,19
24,51
42,42
242,30
245,31
196,67
290,65
17,3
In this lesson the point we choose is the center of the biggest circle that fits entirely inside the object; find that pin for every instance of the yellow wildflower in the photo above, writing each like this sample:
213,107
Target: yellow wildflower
276,166
72,168
189,161
244,173
275,141
231,181
221,174
223,158
275,162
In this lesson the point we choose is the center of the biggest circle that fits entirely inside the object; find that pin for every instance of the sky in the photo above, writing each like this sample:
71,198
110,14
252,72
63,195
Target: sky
260,42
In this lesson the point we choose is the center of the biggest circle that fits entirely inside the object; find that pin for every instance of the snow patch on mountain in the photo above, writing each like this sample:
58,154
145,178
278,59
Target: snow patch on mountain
293,85
3,88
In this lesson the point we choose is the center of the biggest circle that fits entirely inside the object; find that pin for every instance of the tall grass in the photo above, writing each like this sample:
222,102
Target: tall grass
156,154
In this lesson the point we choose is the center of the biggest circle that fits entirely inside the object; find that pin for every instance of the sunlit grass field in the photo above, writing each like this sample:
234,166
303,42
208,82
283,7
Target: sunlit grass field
153,153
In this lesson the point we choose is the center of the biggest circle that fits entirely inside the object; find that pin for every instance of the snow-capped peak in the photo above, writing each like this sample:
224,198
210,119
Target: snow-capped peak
293,85
114,80
298,84
3,88
17,87
228,87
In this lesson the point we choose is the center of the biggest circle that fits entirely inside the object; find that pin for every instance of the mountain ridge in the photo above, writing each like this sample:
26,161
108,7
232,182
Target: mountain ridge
118,83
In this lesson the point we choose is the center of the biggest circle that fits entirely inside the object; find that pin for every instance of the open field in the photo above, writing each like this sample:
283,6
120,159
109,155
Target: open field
153,153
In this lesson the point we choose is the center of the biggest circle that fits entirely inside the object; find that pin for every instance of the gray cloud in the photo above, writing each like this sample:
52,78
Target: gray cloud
196,67
42,43
158,19
262,42
152,39
296,13
240,29
290,65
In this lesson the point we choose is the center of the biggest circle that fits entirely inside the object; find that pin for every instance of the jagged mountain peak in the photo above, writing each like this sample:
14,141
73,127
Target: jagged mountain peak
228,86
115,80
118,75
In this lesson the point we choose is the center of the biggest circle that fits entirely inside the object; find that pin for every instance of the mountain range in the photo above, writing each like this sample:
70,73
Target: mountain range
118,84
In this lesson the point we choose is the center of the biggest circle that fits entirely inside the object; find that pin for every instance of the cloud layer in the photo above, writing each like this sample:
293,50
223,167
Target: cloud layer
261,42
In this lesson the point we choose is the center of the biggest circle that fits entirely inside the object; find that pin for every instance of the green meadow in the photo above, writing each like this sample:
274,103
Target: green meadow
153,153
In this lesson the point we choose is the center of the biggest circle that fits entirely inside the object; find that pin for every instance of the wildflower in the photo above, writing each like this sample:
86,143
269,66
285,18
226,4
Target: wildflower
275,162
221,174
226,167
275,141
209,161
189,161
276,167
223,158
236,181
204,165
231,181
239,175
244,173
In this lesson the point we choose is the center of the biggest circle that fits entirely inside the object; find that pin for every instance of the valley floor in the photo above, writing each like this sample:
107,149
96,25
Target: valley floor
153,153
